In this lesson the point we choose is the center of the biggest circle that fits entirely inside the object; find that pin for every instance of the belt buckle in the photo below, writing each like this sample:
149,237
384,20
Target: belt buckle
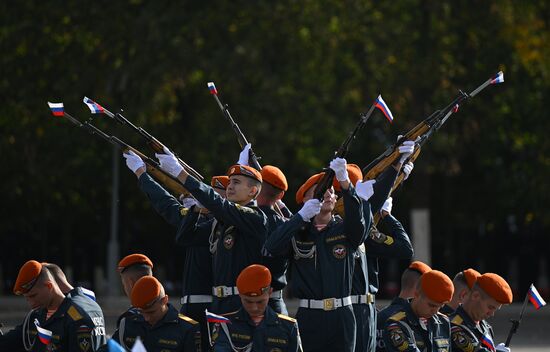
219,292
370,298
329,304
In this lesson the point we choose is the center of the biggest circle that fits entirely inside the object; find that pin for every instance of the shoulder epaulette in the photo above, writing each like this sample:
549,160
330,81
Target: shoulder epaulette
286,317
74,314
442,316
187,319
457,320
398,316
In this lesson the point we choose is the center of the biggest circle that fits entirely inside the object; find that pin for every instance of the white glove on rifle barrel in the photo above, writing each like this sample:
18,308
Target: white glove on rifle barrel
169,163
311,208
405,149
388,204
340,169
365,189
133,161
244,155
502,348
407,169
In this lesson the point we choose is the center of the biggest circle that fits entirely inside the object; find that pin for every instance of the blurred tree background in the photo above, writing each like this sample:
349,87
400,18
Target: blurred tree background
296,74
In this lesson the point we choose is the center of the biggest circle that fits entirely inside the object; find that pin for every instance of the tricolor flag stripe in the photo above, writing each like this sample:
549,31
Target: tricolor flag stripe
381,104
212,88
214,318
44,335
499,78
57,109
487,342
94,107
535,297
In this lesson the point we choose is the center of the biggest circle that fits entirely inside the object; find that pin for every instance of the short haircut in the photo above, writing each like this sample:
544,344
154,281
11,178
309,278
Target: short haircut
459,281
253,182
137,271
271,192
56,271
410,279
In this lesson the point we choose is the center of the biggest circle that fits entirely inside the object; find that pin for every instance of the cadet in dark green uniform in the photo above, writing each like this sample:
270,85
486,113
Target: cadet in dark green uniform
57,322
160,326
418,326
463,283
322,249
240,231
469,328
409,283
256,326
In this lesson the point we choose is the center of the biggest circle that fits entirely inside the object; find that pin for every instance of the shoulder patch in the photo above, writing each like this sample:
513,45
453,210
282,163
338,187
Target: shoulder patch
457,320
388,241
462,341
398,338
398,316
74,314
184,211
286,317
187,319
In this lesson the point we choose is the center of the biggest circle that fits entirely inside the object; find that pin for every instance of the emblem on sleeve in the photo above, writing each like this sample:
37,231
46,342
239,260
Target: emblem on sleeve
339,251
228,241
398,338
462,340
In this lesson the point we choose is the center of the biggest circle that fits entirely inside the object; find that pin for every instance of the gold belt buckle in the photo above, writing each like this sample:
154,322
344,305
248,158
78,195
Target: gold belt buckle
370,298
219,291
329,304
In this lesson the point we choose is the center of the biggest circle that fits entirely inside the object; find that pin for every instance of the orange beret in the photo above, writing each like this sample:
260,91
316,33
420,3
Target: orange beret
28,274
245,171
306,186
220,182
437,286
496,287
355,174
254,280
145,292
419,267
470,276
275,177
134,259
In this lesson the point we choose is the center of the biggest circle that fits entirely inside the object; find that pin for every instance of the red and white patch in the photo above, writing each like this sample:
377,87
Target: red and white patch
339,251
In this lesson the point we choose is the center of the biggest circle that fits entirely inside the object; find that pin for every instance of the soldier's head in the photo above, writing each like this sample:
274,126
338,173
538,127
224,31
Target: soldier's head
37,285
132,268
463,283
274,185
59,277
254,285
244,185
149,298
307,192
433,290
488,294
219,184
410,277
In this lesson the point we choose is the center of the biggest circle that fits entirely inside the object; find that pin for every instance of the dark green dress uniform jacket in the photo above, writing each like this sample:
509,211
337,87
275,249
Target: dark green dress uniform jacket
404,332
174,332
238,239
276,332
467,336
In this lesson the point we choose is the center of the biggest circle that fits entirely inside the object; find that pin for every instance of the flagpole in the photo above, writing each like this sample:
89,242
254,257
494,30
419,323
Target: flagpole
515,323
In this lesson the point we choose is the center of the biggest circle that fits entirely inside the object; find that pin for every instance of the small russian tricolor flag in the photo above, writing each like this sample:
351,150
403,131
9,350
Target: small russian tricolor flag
44,335
381,104
535,297
214,318
499,78
212,88
488,342
94,107
57,109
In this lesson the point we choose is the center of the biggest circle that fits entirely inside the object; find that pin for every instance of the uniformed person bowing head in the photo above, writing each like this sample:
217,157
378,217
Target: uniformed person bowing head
463,283
470,330
132,268
418,325
256,326
159,326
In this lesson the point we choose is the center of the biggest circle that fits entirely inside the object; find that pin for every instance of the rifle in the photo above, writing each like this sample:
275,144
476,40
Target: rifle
424,129
154,143
151,165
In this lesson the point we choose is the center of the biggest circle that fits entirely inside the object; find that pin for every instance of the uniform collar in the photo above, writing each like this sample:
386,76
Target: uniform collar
482,327
270,317
171,316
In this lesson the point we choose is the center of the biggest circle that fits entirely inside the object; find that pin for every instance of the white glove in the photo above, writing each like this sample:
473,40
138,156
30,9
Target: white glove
133,161
169,163
405,149
388,204
365,189
502,348
188,202
244,155
311,208
340,169
407,169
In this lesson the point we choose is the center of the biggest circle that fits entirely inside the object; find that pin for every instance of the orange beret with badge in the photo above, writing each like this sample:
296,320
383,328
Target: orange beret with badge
244,170
254,280
219,182
470,277
437,286
496,287
313,180
146,292
419,267
134,259
354,173
275,177
28,274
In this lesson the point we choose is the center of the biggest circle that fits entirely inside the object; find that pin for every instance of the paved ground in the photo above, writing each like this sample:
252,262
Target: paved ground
533,334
